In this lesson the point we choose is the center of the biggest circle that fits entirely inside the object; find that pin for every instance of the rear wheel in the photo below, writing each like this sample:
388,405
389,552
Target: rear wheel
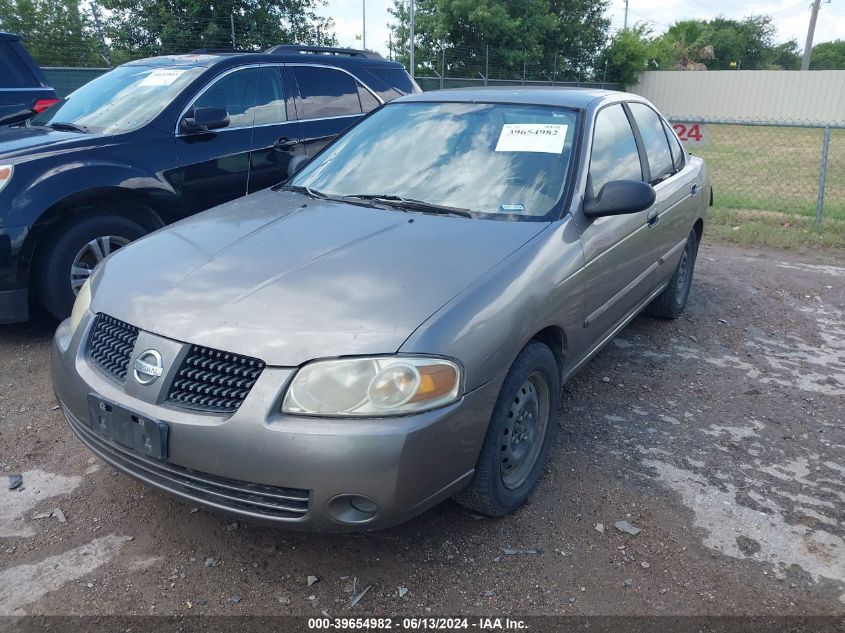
670,303
518,436
71,251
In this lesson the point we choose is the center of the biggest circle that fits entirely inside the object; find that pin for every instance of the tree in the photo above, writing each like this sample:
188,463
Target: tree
142,28
828,56
542,38
630,52
54,31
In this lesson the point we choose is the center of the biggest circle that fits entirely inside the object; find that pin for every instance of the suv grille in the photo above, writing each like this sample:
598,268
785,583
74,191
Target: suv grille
111,346
212,380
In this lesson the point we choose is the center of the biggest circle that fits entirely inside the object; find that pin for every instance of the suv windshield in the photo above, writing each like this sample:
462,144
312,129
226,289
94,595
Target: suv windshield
119,101
504,160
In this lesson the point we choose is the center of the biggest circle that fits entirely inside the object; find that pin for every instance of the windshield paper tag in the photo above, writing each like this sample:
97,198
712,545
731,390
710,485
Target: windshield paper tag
532,137
512,208
161,77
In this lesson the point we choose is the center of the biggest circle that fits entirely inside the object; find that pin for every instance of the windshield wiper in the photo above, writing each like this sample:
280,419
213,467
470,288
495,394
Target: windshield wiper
412,204
308,191
73,127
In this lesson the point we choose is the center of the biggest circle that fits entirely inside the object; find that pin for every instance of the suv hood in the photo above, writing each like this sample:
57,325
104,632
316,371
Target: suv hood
287,279
18,142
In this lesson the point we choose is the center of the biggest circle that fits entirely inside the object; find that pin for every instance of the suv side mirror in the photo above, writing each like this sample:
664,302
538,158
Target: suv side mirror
206,119
619,197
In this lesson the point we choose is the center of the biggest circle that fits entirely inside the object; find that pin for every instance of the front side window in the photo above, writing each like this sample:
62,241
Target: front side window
270,101
614,155
236,93
505,161
325,92
121,100
654,138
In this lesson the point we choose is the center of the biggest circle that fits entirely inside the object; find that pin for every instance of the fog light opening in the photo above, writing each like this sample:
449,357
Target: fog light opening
351,508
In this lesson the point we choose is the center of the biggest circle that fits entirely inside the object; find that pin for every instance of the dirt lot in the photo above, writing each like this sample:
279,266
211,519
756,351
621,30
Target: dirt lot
720,436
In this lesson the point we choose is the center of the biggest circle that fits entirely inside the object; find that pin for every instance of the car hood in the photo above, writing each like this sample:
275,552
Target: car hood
287,279
21,142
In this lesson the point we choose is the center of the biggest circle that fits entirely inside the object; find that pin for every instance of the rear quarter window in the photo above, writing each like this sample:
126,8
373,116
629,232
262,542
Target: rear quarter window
14,71
391,83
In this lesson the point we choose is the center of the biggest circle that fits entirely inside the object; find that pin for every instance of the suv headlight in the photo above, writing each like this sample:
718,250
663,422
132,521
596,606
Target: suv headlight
6,172
373,387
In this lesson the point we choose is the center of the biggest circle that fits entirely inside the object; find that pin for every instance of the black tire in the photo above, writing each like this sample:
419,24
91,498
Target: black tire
493,491
670,303
60,247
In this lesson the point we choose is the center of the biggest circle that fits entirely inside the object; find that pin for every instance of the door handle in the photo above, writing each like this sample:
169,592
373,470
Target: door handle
285,144
652,218
693,191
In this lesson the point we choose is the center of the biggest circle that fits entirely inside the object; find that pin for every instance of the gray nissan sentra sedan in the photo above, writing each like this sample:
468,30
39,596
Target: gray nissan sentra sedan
392,326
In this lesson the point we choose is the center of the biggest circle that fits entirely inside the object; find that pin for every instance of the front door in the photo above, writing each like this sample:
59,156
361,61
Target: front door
214,165
619,261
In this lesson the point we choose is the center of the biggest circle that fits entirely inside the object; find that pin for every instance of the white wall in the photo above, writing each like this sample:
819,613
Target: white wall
816,96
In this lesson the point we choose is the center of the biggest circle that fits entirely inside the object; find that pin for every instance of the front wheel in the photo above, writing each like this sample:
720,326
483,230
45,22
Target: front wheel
518,436
670,303
71,251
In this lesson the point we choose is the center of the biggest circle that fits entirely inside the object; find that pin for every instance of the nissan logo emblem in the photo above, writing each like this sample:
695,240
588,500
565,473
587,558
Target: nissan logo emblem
147,367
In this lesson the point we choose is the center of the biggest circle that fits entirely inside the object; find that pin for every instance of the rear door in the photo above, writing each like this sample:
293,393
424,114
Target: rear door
214,166
276,132
618,256
674,184
328,100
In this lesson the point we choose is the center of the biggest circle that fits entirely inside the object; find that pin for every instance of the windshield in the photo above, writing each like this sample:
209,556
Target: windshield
119,101
504,160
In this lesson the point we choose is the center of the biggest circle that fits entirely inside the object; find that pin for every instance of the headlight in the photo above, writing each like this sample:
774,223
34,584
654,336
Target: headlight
83,300
373,387
6,172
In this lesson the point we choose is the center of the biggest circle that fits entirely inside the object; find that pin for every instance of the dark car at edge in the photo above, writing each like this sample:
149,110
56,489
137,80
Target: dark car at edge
157,140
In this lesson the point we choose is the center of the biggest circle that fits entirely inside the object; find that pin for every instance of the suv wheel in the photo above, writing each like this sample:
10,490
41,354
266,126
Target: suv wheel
72,250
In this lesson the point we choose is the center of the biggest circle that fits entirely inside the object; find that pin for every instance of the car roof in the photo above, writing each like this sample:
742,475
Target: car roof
567,97
5,35
206,59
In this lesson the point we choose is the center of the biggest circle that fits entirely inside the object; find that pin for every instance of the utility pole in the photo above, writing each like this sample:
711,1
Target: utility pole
411,40
625,23
364,23
808,47
232,29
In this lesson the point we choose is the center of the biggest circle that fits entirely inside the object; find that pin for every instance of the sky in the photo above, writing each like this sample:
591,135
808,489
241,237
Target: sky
790,17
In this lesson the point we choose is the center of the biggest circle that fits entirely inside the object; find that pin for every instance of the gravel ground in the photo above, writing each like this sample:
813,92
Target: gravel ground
719,436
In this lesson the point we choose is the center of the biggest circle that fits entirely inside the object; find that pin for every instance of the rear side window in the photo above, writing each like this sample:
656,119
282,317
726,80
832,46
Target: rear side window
614,155
325,92
236,93
14,73
368,101
654,138
676,147
396,82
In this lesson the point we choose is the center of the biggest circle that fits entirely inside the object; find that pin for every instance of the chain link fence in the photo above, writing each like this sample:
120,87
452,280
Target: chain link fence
788,167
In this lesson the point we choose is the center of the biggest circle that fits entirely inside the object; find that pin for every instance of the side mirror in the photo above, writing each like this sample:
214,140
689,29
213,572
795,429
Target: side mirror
619,197
206,119
296,164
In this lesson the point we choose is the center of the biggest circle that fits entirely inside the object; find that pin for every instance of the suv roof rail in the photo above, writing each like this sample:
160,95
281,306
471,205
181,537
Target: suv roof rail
322,50
214,51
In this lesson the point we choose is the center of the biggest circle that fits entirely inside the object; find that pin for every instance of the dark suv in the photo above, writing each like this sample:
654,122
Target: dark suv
24,90
159,139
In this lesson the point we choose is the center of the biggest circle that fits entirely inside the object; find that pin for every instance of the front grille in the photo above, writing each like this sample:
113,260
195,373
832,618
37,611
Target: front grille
111,346
211,380
231,494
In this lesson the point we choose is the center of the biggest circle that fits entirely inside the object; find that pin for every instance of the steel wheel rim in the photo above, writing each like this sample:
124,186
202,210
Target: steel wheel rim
525,430
90,255
683,274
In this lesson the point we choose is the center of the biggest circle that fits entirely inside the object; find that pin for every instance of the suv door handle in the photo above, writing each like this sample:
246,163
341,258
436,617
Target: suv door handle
652,218
693,191
285,144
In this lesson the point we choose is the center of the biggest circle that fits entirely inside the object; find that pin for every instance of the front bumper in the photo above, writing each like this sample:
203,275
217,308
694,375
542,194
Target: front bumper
293,471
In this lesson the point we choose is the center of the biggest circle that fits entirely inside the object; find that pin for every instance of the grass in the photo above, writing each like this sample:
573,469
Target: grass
752,227
774,168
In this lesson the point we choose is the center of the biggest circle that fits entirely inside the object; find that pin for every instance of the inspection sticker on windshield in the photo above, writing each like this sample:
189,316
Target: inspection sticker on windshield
161,77
532,137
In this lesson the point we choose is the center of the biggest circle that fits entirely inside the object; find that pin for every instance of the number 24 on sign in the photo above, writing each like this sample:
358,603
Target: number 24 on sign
689,132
